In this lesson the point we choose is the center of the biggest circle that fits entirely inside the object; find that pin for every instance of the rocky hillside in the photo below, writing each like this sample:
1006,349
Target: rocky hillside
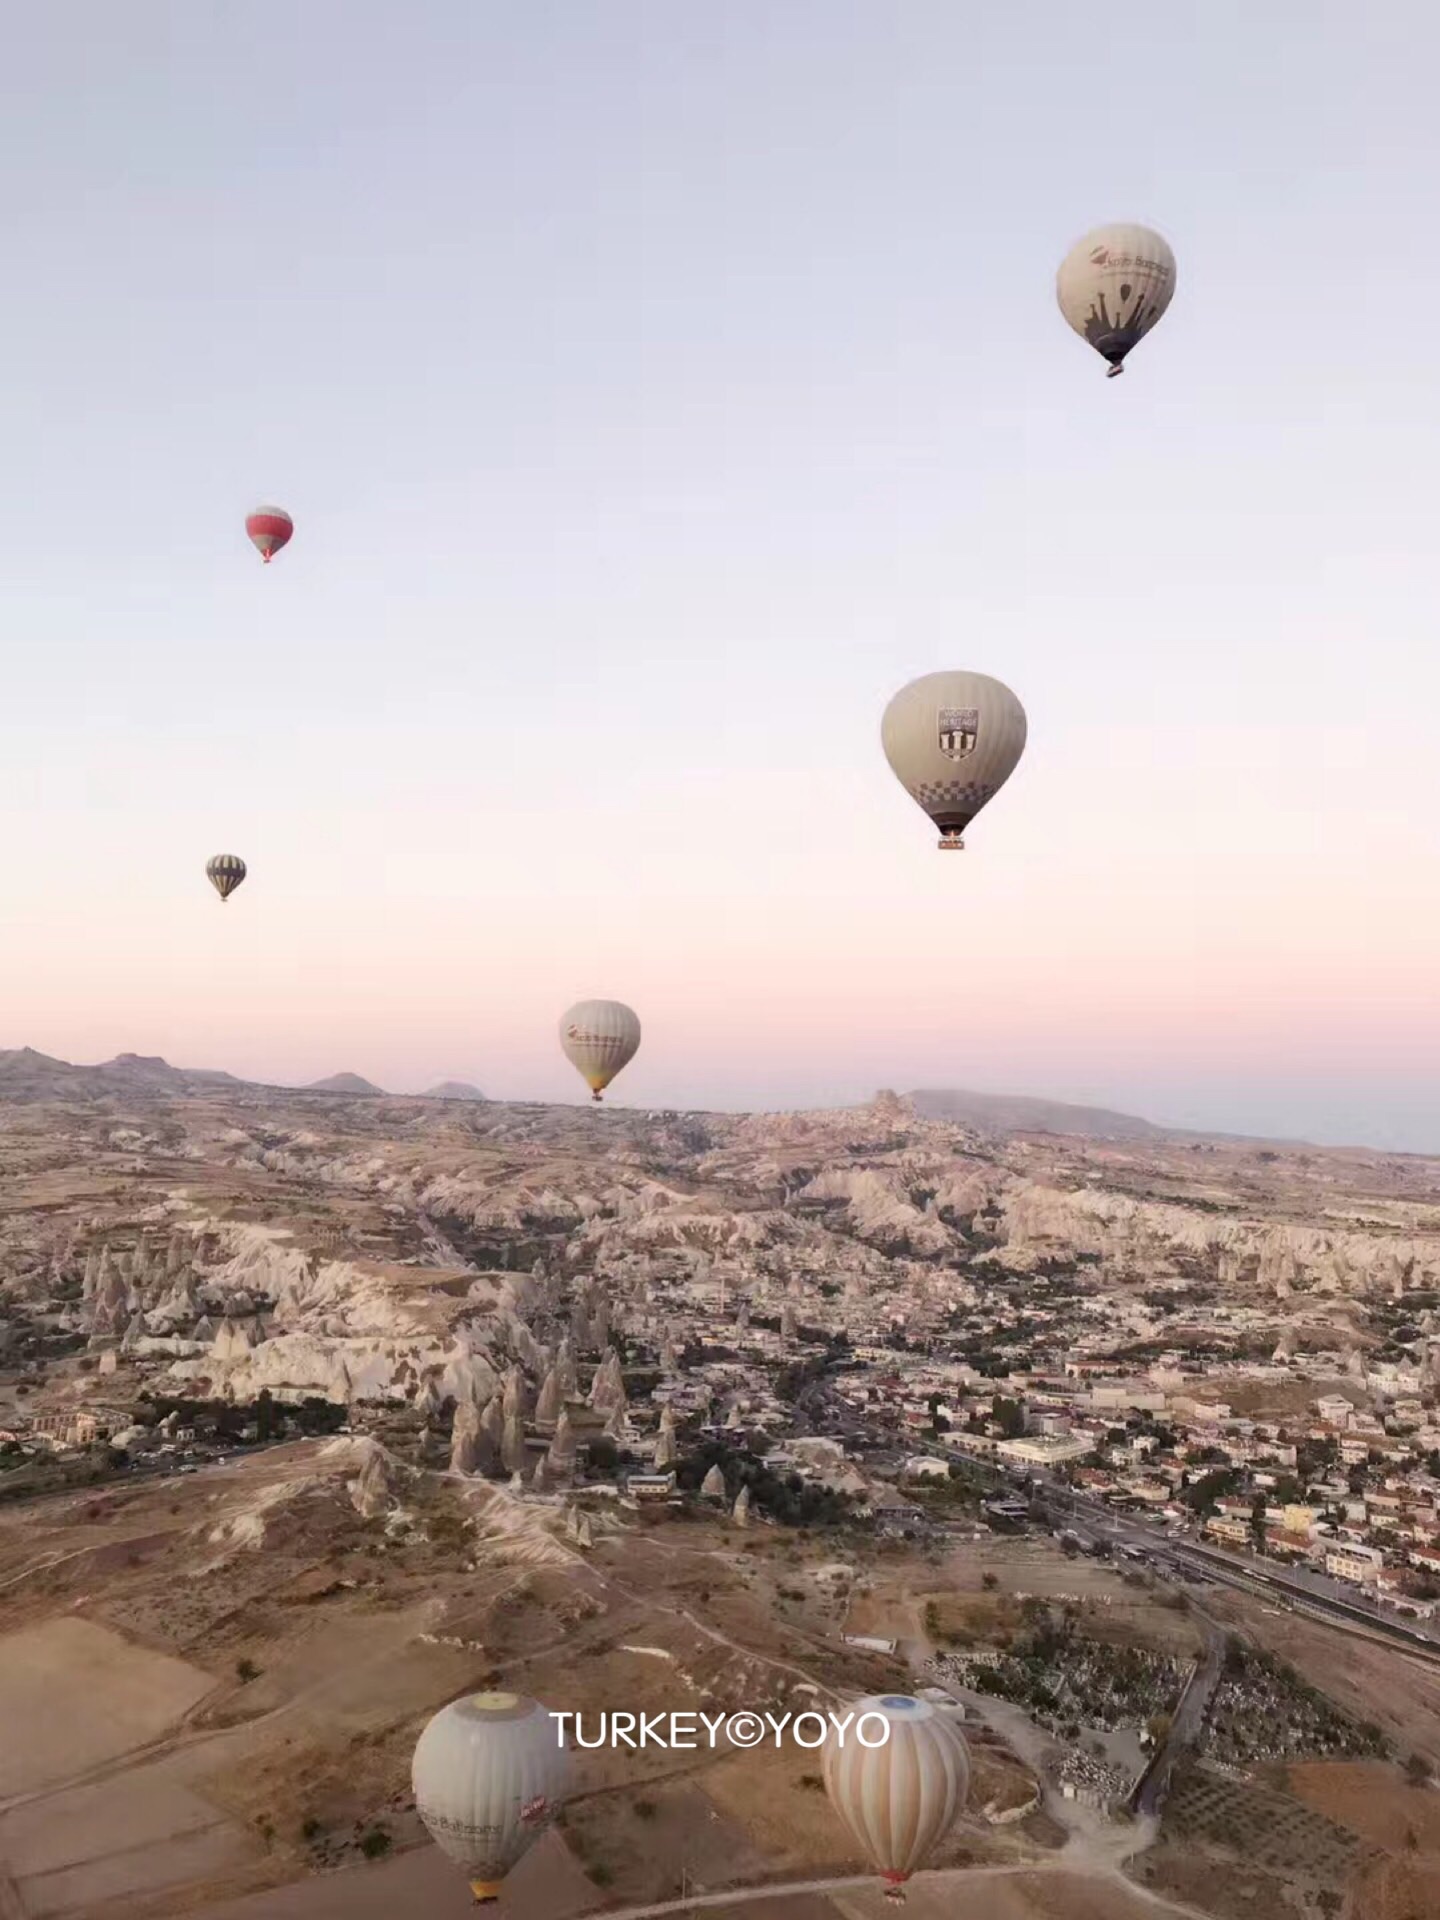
1019,1113
351,1083
315,1243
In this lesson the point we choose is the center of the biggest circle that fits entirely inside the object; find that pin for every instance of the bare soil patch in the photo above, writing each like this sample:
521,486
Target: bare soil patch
82,1695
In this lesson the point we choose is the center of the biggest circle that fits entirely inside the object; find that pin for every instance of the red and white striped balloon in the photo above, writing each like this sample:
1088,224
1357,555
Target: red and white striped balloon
269,529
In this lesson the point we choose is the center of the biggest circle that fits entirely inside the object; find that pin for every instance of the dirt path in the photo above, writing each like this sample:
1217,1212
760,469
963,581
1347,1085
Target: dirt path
1093,1843
867,1882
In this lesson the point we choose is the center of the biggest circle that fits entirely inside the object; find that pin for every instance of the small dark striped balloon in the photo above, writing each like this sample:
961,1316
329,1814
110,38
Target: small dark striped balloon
269,529
225,871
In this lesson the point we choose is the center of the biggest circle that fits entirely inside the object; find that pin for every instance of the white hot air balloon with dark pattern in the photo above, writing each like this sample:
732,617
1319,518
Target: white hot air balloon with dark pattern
489,1775
953,740
270,529
599,1038
898,1800
225,871
1114,286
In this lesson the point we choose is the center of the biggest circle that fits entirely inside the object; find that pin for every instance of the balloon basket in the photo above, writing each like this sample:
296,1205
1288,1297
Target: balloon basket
951,843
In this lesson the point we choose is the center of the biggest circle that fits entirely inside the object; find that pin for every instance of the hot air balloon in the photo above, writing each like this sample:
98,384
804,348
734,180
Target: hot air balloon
1113,286
952,740
898,1800
269,529
225,871
599,1038
489,1774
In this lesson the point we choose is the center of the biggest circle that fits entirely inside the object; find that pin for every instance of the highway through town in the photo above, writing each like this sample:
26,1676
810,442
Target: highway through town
1188,1559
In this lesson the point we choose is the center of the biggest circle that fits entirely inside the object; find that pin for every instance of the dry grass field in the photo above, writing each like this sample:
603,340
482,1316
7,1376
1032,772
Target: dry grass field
82,1696
1378,1803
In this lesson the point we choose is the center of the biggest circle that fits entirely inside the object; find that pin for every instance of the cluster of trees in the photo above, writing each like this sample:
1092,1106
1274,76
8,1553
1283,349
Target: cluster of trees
797,1376
1264,1701
1055,1673
231,1420
787,1498
1202,1496
1007,1414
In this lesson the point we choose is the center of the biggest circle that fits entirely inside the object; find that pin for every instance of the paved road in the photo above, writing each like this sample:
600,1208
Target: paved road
1188,1720
1341,1605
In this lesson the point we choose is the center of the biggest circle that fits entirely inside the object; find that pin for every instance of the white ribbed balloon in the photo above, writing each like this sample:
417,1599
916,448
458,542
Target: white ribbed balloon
899,1800
953,740
1114,285
489,1774
599,1037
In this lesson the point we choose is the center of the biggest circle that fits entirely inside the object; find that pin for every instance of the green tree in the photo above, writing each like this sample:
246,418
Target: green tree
1257,1523
1008,1415
1201,1496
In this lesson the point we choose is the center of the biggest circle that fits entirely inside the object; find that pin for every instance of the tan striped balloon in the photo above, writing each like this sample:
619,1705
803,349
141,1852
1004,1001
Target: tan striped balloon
225,871
599,1038
900,1799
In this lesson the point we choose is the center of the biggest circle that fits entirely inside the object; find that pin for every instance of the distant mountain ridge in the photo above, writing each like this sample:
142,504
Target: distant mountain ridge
26,1075
1024,1113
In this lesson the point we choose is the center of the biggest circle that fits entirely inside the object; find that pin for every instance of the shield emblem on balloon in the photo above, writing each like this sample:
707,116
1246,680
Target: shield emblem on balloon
959,731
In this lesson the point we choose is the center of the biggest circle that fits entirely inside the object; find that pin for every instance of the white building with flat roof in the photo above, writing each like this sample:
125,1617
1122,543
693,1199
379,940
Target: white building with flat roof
1361,1564
1046,1449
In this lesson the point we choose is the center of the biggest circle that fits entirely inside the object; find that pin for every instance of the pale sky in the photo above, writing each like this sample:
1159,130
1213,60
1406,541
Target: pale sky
657,386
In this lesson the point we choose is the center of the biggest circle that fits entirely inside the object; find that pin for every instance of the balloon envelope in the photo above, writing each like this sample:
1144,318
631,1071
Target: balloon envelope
1114,285
489,1774
953,740
900,1799
599,1037
225,871
269,529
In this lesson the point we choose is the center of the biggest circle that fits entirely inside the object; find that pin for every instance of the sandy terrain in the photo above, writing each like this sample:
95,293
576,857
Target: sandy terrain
83,1695
1377,1802
546,1884
411,1886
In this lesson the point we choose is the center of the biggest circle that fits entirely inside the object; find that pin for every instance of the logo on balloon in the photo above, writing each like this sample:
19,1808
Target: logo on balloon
1100,256
534,1810
959,731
